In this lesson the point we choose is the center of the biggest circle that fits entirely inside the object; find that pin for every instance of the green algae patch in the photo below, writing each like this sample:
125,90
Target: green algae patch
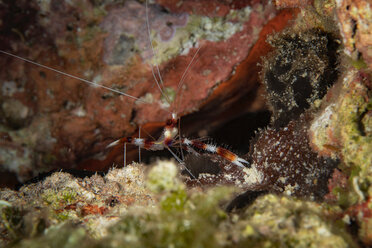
176,200
199,222
11,218
343,130
274,221
57,198
354,103
175,216
163,178
62,235
21,223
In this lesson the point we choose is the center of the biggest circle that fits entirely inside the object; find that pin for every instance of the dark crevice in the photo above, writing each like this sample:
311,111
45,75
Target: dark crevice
244,200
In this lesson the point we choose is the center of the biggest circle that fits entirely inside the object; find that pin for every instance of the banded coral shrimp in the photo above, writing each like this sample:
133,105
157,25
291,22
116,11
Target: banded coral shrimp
86,106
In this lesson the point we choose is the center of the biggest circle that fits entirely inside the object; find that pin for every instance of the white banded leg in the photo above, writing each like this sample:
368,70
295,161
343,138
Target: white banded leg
181,162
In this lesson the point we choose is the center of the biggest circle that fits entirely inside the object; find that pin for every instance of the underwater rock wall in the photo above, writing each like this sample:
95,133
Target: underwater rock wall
52,121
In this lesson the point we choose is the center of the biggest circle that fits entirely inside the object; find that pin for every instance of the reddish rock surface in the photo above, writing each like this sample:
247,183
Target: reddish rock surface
57,122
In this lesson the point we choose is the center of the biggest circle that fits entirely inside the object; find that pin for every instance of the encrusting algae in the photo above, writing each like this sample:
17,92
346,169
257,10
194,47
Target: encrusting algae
162,213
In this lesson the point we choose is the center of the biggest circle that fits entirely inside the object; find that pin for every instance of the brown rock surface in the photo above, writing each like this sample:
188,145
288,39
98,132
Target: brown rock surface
63,121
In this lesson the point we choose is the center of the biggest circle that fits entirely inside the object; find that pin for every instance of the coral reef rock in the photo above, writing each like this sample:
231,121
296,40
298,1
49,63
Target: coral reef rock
130,208
55,121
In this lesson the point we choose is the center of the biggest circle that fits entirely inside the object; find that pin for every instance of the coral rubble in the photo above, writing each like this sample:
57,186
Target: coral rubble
157,211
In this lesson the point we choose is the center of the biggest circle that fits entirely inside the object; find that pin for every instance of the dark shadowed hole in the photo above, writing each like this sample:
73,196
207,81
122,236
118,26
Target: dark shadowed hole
244,200
274,84
302,90
237,133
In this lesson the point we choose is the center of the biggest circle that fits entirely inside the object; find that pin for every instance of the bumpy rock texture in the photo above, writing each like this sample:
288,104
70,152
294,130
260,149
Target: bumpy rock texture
355,21
53,121
309,179
342,130
300,71
288,164
127,209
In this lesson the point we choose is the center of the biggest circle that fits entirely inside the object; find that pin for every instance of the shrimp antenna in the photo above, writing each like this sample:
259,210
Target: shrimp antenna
186,70
154,54
182,80
72,76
